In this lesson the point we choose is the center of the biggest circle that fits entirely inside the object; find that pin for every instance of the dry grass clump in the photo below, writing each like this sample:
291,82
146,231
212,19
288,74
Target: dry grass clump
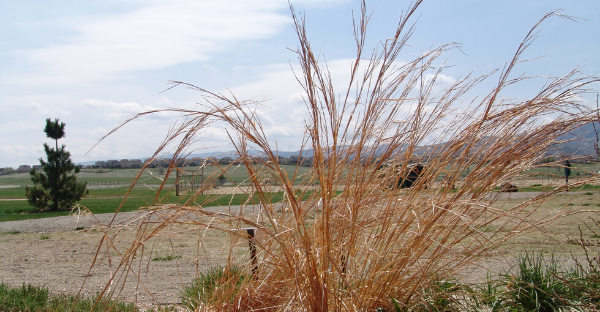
353,242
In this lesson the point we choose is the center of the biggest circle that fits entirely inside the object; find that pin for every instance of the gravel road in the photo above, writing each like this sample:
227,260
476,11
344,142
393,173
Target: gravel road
69,223
66,223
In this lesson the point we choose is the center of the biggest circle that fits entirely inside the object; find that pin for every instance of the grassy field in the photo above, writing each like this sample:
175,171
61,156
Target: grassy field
123,177
35,298
107,189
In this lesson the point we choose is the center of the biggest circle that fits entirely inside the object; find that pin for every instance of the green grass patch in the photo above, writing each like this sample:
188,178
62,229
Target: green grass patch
166,258
121,178
588,187
21,210
16,179
38,299
12,192
537,284
210,286
20,192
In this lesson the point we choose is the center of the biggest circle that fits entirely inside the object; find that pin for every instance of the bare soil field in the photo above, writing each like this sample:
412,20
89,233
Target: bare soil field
51,252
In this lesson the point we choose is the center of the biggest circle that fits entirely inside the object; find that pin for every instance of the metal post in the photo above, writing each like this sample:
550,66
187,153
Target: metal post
252,245
177,182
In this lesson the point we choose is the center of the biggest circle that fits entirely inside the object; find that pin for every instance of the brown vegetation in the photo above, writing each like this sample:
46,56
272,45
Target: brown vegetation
354,250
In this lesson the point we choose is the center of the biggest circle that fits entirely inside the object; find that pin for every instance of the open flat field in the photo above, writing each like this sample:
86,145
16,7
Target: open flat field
49,251
107,189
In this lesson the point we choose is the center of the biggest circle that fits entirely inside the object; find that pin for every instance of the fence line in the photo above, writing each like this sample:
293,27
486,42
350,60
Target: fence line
92,183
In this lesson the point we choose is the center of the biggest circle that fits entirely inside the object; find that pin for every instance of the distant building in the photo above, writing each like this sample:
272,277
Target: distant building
225,160
155,163
125,163
211,160
7,170
281,160
23,168
181,162
113,164
196,161
136,164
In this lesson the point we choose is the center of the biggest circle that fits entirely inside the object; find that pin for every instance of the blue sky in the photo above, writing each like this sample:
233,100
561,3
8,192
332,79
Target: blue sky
94,64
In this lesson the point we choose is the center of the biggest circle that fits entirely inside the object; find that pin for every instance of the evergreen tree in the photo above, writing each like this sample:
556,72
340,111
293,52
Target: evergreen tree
55,188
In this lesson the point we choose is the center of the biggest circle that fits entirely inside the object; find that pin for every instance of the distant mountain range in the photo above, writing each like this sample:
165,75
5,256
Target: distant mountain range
306,153
580,142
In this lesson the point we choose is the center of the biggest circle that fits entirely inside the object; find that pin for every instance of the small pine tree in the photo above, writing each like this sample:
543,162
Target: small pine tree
55,188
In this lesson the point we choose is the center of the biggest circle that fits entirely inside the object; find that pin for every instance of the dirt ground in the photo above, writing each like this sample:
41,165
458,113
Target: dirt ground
61,261
51,252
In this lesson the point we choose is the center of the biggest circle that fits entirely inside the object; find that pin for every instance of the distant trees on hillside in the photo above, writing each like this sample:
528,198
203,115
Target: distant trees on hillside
197,161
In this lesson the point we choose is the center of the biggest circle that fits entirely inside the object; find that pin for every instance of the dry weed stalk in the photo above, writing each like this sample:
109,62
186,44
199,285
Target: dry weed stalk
354,242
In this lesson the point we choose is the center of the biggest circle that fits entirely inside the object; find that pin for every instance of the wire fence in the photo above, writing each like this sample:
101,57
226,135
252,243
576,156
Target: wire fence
97,183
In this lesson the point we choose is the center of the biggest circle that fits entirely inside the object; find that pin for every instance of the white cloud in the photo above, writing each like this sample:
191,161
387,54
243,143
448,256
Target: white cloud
441,81
319,3
20,150
123,110
46,110
284,120
214,69
157,36
114,110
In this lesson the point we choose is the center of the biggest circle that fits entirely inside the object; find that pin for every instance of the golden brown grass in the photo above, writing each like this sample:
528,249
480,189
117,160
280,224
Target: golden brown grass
354,250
